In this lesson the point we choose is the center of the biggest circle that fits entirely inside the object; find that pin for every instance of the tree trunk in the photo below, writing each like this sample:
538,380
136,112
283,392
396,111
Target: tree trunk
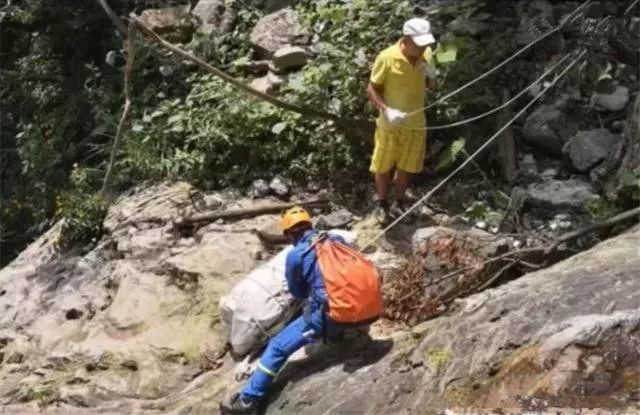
127,106
506,144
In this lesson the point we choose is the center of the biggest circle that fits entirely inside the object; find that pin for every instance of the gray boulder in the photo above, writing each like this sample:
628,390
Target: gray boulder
267,84
608,166
277,30
173,22
214,16
547,129
617,100
280,187
482,243
477,246
259,188
561,194
335,220
587,149
289,57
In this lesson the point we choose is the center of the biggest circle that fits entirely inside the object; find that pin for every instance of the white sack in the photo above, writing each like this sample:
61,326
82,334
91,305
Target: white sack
258,306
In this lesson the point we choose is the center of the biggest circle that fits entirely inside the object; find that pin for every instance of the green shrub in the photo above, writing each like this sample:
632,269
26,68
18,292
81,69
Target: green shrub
81,210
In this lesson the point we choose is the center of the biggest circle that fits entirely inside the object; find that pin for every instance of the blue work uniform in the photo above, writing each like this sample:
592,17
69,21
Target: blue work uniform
304,279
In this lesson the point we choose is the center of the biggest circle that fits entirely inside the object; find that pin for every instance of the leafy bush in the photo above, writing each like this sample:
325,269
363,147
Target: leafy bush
220,136
56,91
45,115
81,210
451,154
216,135
630,188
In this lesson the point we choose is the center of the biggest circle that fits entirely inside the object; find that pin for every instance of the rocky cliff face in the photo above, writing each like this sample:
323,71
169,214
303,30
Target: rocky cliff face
132,327
135,317
571,331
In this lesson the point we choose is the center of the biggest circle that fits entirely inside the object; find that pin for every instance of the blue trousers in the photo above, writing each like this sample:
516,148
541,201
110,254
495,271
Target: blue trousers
303,330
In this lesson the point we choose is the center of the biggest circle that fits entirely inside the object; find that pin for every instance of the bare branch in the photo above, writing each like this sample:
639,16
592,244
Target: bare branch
629,214
113,16
127,104
363,128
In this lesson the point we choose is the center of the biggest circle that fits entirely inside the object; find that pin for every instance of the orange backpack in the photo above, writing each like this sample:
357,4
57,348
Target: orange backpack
351,281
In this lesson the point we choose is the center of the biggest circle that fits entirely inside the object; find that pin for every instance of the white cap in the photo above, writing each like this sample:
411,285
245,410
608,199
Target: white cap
419,30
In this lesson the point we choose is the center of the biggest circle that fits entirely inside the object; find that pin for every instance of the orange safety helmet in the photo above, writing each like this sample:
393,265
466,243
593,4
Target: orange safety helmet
293,217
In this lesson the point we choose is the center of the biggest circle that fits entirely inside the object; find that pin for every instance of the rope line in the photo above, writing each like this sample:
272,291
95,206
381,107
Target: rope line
506,61
630,7
478,151
493,110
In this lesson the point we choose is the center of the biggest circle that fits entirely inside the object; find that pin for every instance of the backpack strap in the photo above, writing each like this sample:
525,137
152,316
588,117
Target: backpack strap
324,323
321,236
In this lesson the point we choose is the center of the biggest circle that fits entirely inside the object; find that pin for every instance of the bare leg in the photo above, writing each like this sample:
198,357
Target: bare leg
383,181
401,184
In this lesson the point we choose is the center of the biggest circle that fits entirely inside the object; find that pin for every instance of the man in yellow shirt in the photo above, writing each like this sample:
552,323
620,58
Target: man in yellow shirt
399,77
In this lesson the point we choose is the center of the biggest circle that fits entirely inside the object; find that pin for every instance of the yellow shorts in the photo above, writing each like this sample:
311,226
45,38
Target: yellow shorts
403,149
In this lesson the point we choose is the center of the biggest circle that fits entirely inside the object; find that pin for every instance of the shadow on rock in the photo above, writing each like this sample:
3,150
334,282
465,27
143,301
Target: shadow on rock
354,352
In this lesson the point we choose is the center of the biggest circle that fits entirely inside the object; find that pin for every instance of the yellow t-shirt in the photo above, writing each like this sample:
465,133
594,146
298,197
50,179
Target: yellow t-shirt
403,85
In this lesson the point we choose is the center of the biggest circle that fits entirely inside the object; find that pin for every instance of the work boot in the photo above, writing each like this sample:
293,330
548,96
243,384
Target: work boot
238,405
400,207
381,212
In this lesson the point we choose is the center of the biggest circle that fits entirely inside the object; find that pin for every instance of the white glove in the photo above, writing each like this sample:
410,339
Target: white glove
428,70
394,116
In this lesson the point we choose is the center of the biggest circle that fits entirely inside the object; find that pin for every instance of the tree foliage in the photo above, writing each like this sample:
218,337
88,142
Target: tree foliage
46,117
61,102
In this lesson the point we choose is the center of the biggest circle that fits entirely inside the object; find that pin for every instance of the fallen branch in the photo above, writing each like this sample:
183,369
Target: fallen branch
495,276
448,298
127,105
244,213
506,256
629,214
548,249
364,128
